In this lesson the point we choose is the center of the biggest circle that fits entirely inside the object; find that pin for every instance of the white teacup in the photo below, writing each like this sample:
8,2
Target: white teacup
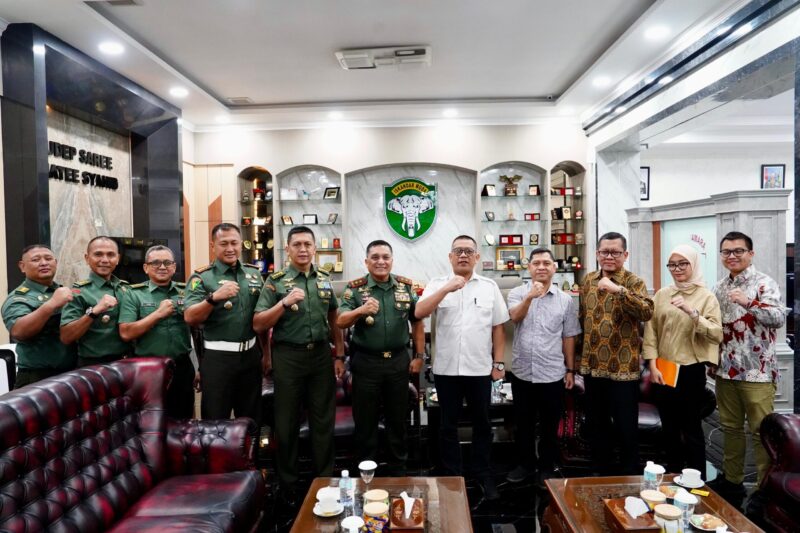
328,505
690,476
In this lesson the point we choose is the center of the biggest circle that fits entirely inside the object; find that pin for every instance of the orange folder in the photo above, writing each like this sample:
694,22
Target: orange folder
669,371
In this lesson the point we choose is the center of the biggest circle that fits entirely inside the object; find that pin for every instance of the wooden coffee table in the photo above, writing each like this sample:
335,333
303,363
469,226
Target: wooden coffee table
576,504
445,500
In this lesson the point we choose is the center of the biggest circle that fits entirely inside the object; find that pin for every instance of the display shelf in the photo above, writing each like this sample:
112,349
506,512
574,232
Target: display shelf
564,178
251,208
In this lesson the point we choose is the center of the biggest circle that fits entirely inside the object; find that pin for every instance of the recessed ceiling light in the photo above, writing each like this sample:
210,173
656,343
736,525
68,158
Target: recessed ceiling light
620,109
665,80
179,92
601,81
38,49
335,115
656,33
450,113
111,48
222,119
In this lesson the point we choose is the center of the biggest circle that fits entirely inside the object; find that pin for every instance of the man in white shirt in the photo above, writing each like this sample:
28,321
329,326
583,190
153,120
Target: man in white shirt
470,340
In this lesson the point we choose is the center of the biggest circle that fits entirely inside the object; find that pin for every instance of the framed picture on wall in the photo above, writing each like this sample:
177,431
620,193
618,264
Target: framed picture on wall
644,183
287,220
773,176
328,259
331,193
309,218
505,255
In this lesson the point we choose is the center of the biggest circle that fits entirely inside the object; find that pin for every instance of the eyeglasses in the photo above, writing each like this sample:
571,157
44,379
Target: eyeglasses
678,266
738,252
158,263
469,252
616,254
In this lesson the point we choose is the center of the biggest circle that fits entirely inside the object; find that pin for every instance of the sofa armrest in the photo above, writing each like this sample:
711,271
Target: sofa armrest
780,434
210,446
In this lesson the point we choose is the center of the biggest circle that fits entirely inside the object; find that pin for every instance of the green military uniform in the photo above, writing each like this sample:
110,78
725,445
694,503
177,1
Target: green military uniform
379,365
170,337
230,370
302,368
44,355
102,343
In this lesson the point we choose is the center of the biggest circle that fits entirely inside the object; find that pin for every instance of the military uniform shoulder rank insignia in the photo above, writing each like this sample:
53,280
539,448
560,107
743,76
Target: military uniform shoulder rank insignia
23,290
278,275
323,273
82,283
123,282
204,268
138,285
180,284
404,280
356,283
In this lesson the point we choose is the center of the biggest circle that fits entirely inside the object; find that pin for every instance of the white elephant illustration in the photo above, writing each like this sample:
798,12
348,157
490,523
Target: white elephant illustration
410,206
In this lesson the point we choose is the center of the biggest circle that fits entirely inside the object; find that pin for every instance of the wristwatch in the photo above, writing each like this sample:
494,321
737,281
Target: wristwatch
569,371
499,365
210,299
339,358
285,306
90,313
419,355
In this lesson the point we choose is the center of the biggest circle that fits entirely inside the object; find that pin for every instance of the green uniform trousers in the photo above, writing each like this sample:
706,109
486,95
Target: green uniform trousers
737,400
381,382
179,401
303,377
231,381
26,376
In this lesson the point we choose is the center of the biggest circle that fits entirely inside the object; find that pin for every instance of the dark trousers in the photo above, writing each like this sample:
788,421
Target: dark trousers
682,427
231,381
542,403
303,377
452,390
26,376
180,394
103,359
381,383
612,417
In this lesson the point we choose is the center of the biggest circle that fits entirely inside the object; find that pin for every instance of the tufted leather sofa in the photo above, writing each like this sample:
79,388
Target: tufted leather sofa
780,434
92,450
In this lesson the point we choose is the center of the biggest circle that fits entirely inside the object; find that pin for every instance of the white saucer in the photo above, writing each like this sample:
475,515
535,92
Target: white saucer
338,511
678,480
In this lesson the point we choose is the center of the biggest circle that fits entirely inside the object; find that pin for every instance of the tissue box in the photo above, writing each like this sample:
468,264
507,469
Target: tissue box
621,522
397,516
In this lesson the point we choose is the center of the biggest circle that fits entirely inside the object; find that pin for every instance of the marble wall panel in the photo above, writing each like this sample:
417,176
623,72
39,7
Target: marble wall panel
80,212
617,189
426,257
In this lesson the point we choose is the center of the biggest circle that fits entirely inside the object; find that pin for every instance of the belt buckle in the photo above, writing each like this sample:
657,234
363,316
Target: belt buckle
310,346
387,355
242,346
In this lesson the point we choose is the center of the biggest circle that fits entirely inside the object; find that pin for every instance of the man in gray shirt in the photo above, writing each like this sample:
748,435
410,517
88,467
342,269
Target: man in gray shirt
547,324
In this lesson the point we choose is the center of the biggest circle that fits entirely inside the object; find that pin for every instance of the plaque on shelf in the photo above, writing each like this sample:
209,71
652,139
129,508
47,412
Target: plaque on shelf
524,261
556,213
259,246
245,196
332,218
268,195
566,212
309,218
533,216
575,287
331,193
488,265
268,220
489,215
569,191
515,239
578,191
563,238
246,221
509,254
323,243
510,188
578,215
289,194
271,267
489,238
533,190
565,286
258,194
258,221
534,239
287,220
511,214
489,190
339,266
247,245
270,244
337,243
579,238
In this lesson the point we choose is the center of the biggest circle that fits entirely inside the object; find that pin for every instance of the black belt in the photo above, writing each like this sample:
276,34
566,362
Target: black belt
306,346
388,354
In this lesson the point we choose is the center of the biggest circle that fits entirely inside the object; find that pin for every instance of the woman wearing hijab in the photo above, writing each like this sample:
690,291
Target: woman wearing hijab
686,329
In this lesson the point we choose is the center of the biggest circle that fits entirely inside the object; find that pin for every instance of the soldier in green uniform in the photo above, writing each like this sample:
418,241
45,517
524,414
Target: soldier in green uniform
151,316
221,297
299,305
90,319
380,306
32,313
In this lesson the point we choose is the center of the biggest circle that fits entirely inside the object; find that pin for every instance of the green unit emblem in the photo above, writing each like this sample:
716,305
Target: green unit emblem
409,205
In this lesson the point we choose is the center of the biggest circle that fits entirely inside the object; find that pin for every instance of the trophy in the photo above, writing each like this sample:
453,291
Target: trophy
511,184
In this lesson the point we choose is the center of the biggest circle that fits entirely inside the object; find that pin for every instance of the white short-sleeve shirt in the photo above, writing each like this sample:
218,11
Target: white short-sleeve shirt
464,321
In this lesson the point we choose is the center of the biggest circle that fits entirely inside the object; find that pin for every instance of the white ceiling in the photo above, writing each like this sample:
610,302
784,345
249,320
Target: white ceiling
495,62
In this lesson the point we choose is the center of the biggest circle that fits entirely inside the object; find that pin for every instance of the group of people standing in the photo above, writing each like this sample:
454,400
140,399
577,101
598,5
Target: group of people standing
288,322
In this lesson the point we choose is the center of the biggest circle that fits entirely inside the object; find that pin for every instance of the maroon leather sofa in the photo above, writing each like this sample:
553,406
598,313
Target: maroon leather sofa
780,434
93,450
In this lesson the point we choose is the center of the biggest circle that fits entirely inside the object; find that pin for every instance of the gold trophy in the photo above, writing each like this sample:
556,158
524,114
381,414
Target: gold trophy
511,184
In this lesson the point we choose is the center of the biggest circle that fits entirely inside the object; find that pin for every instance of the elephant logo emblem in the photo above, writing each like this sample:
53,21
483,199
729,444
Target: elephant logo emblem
410,207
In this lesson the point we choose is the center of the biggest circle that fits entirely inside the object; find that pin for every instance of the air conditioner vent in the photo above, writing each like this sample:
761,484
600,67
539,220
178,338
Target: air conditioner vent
240,100
385,57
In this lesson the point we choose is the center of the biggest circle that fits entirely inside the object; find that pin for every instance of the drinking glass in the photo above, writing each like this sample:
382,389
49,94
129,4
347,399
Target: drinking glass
367,469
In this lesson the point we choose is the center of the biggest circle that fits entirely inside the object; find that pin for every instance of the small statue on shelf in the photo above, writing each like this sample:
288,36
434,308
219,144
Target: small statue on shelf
245,195
511,184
